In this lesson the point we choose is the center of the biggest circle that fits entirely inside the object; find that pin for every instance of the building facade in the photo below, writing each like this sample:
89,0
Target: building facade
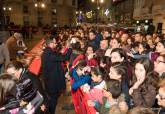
151,10
40,12
122,11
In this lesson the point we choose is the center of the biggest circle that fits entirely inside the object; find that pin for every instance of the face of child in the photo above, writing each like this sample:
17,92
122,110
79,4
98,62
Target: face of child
160,48
141,48
89,50
129,41
115,44
140,72
96,78
115,57
113,74
79,71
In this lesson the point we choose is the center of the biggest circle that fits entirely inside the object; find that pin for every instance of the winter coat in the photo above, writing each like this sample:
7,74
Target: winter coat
13,47
12,106
144,96
79,80
52,69
25,89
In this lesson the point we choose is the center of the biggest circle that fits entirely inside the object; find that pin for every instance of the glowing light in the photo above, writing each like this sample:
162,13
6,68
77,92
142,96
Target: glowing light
146,21
101,1
106,12
4,8
36,5
10,8
137,22
93,0
43,5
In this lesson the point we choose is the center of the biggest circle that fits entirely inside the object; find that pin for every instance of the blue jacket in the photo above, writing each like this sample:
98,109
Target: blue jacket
79,80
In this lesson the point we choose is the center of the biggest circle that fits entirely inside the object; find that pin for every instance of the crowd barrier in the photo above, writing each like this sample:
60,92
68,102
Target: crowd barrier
79,99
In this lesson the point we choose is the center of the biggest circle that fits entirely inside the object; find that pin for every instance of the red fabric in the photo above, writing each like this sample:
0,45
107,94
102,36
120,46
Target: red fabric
78,58
80,102
92,62
95,94
35,66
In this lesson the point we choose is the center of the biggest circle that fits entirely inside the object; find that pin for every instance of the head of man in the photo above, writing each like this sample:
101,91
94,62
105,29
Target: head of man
51,43
92,35
124,37
138,37
104,44
15,68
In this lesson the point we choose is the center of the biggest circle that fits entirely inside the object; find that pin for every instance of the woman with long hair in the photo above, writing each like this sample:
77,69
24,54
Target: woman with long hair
143,90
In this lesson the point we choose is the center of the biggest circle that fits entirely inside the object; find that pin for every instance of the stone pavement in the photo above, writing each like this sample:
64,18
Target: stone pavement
64,100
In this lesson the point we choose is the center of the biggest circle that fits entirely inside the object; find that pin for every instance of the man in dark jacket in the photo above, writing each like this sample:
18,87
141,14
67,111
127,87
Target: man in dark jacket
24,87
94,39
53,71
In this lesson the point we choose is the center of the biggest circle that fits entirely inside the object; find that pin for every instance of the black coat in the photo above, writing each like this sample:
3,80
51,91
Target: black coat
53,71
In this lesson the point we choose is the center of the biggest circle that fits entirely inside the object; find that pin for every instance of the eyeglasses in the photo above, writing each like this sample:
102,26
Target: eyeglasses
157,61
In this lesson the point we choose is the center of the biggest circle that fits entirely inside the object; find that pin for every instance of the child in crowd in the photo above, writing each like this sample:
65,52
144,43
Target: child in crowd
97,78
118,71
95,91
80,75
110,98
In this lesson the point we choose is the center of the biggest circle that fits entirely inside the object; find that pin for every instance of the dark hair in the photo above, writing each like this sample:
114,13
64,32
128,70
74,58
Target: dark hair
135,44
15,64
48,40
96,71
151,76
81,64
7,87
89,45
145,46
121,52
93,31
76,46
162,42
114,87
121,69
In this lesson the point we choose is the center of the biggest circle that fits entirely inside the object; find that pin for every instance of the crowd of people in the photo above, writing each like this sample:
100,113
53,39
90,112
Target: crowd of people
121,72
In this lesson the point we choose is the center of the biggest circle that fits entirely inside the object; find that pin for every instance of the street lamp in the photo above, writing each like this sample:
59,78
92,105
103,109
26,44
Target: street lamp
7,12
39,5
98,2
